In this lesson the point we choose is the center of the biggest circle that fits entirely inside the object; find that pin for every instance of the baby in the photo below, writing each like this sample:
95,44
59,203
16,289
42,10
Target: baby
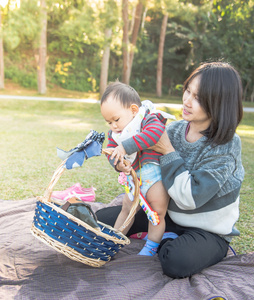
134,127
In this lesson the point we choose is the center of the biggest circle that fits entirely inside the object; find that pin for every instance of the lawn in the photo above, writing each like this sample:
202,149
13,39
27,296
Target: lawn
30,131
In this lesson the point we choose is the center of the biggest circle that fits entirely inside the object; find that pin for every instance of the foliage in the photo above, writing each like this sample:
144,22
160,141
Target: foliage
79,35
198,30
235,33
27,80
21,26
78,75
186,31
20,70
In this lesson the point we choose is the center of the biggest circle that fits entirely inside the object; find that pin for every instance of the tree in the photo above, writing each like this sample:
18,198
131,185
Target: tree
82,35
1,55
234,36
42,58
125,43
137,22
109,19
186,32
105,62
127,47
160,55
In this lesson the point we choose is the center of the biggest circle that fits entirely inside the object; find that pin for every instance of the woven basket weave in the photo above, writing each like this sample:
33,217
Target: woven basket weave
73,237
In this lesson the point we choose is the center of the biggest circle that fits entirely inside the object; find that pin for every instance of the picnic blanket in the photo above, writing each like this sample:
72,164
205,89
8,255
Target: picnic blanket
29,269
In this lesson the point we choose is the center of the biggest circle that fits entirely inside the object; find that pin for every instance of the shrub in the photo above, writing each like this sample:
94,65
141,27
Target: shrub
22,77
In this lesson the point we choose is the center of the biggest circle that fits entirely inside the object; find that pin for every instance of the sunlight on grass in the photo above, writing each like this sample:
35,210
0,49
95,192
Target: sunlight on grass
70,124
245,130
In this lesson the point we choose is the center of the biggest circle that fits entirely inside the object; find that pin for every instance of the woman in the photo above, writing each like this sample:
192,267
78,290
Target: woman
201,171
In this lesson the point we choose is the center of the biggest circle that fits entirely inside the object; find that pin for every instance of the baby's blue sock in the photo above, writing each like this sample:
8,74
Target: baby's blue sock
166,235
169,235
150,248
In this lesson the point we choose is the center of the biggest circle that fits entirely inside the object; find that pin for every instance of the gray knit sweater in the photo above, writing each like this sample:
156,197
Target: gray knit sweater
203,182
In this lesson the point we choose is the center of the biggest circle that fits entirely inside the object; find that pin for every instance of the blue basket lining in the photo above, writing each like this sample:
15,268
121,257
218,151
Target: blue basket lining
68,235
71,228
83,241
54,215
89,250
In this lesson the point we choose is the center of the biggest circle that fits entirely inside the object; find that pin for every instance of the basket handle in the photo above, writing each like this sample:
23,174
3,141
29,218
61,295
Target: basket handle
135,202
59,171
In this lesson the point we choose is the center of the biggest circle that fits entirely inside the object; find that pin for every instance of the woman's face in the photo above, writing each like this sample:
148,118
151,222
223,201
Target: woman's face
192,110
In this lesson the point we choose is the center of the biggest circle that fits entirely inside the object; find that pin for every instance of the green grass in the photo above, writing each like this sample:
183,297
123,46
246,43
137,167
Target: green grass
245,243
30,131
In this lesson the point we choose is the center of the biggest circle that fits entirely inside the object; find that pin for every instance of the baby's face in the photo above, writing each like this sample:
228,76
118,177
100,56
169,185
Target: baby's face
116,115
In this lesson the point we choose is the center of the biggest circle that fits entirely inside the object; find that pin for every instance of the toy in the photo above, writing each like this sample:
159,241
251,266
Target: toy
90,147
129,187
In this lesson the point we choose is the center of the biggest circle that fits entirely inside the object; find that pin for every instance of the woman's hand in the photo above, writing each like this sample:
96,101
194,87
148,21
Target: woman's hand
164,145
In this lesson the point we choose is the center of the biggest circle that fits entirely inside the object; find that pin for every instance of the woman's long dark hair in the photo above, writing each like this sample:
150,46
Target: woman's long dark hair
220,95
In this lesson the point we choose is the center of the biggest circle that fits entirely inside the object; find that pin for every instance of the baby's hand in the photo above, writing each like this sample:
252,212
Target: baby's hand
118,154
122,167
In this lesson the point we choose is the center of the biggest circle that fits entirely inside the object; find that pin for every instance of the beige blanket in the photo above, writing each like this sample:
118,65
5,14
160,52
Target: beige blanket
30,269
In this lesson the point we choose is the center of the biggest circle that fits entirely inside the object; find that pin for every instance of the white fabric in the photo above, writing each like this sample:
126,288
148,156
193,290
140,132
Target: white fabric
181,192
220,221
134,127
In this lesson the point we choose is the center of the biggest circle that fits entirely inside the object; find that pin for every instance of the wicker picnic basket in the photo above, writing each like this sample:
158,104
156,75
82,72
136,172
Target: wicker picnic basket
73,237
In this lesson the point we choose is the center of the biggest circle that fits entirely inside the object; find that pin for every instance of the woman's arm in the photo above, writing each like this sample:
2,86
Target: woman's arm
191,189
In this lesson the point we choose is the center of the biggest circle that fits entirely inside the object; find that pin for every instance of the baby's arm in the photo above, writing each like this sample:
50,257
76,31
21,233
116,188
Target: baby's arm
152,130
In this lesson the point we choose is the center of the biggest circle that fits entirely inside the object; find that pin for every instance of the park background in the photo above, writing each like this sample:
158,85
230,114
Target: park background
72,49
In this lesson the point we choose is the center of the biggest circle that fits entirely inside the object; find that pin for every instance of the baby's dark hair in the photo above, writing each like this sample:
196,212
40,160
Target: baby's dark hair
121,92
220,95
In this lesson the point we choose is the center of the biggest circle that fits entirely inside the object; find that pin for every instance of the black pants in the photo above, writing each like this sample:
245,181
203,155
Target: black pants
194,250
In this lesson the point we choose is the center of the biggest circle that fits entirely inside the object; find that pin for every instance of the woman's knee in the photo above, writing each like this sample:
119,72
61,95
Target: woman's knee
183,256
108,215
174,264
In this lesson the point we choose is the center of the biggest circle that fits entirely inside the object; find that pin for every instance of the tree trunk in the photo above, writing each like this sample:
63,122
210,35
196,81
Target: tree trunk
160,56
42,59
1,56
252,95
245,90
143,20
137,21
125,42
105,62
